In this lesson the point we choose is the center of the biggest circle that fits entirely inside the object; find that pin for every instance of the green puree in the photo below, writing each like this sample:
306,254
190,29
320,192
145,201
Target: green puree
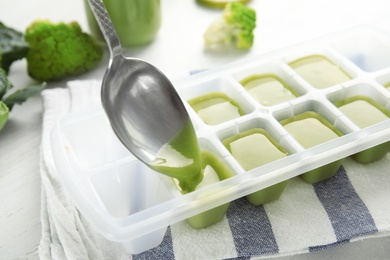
214,171
319,71
180,159
254,148
387,86
215,108
192,169
268,89
311,129
363,111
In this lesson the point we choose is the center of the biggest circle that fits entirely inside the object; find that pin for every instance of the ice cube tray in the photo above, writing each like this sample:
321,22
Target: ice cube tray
129,203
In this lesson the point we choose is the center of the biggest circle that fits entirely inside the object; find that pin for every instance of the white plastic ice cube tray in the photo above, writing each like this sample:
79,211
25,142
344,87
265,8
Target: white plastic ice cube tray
129,203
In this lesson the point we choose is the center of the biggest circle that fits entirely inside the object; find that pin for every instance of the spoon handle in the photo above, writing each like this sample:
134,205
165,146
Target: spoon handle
105,24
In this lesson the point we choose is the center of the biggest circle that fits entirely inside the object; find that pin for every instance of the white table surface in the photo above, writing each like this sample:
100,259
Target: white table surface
178,47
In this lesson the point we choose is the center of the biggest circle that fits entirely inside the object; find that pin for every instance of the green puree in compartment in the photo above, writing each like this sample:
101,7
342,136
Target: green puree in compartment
215,108
364,112
214,170
319,71
254,148
311,129
268,89
191,169
180,159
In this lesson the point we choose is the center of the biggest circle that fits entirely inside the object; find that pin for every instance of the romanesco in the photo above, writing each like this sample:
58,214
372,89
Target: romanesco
235,27
60,50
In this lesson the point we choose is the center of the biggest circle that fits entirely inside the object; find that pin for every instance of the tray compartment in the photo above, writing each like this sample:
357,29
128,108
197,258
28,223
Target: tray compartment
93,143
128,188
365,50
259,81
221,85
216,169
270,140
323,119
384,80
319,71
373,102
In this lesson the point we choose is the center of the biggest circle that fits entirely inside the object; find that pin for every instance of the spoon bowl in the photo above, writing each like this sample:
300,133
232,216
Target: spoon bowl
146,112
142,106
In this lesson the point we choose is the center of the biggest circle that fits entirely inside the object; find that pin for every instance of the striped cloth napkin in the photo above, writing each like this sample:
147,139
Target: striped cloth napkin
351,206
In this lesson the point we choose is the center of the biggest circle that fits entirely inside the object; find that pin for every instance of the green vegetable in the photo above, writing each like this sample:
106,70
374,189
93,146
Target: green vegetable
12,46
21,95
7,101
234,28
60,50
5,85
3,114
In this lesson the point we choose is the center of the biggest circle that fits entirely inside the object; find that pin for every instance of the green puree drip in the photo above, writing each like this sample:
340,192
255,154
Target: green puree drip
180,159
210,159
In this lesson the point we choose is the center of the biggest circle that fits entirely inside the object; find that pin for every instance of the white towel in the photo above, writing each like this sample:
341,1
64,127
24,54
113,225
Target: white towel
351,206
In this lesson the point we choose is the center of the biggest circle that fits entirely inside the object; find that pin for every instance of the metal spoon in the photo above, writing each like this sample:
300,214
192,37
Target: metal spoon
143,107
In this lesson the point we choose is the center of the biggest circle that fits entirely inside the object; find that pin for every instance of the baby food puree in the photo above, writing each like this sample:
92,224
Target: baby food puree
363,113
310,132
311,129
319,71
215,108
214,170
180,159
192,169
254,148
268,89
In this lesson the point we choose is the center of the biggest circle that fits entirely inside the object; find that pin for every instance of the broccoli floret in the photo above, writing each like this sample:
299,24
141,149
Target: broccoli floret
60,50
235,27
